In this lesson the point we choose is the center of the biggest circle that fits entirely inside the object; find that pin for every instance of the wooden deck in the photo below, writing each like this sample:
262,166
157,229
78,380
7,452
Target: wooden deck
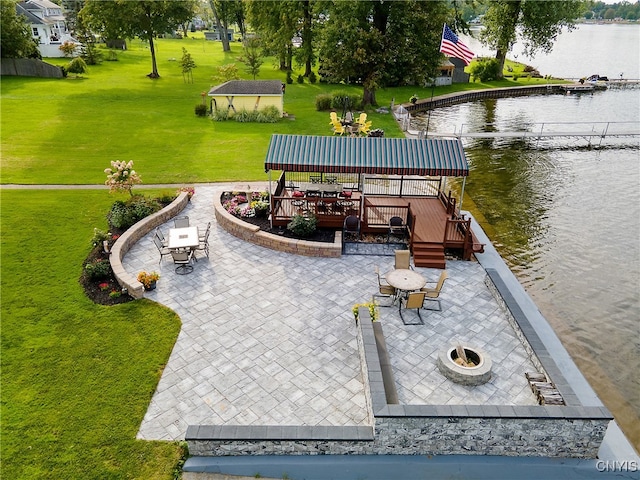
432,230
431,225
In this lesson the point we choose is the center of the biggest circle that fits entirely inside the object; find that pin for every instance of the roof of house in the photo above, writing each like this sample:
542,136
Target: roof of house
370,155
31,18
248,87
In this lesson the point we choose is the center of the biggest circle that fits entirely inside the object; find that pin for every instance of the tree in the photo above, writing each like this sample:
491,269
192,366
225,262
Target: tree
142,18
276,22
121,177
77,66
252,58
382,43
537,23
15,33
187,64
218,19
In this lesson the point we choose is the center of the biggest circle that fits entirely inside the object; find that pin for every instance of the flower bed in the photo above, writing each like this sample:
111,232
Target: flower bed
253,208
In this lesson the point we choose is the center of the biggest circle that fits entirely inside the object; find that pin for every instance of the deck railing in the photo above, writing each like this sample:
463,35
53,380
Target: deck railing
398,186
330,212
377,216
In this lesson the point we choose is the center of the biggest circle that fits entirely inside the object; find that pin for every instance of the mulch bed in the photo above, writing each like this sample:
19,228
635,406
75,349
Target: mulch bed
92,287
320,235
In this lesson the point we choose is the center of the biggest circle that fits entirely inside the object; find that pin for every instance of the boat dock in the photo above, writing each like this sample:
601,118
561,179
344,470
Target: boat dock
587,130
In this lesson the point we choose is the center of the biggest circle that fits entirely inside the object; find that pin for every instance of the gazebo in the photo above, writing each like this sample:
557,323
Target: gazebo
373,178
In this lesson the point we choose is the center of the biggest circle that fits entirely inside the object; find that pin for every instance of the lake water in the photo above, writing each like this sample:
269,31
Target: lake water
566,217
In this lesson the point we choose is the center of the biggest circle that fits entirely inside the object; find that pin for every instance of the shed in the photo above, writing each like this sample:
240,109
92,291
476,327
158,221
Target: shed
238,95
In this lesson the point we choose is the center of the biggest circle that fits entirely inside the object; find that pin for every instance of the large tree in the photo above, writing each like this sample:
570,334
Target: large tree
278,21
15,33
141,18
537,23
382,43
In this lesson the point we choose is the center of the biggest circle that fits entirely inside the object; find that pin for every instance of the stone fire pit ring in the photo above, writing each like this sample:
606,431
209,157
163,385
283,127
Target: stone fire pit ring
469,376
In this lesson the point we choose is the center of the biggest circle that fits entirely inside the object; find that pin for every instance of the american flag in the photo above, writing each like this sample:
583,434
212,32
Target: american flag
453,47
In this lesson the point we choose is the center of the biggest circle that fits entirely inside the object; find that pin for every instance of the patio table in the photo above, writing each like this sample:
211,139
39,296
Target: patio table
185,237
405,280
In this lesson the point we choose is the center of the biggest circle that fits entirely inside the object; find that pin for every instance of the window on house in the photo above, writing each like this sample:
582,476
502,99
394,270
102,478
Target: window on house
35,32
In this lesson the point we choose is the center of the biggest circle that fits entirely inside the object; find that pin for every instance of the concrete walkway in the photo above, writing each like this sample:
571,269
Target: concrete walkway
269,338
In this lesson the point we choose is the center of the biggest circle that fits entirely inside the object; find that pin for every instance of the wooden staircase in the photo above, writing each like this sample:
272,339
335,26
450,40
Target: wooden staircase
428,255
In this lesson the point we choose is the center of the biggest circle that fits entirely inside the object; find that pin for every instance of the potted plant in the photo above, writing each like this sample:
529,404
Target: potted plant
413,99
148,279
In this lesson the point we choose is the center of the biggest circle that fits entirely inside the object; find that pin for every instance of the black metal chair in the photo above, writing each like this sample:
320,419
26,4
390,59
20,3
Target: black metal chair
396,227
351,227
182,258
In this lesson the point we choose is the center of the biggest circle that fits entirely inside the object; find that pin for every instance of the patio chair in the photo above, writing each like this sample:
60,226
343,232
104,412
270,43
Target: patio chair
365,128
161,237
181,222
403,260
362,118
414,300
384,289
338,129
334,117
396,226
205,234
161,248
432,294
351,227
183,258
203,244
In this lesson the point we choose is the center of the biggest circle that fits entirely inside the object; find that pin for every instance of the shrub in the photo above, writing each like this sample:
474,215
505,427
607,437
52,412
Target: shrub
289,79
201,110
220,115
67,48
122,215
121,177
99,236
77,66
269,114
323,102
373,310
339,99
98,270
244,116
303,226
300,79
485,69
119,215
313,78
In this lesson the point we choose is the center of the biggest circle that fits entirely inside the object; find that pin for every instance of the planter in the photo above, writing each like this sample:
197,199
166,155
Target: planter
152,286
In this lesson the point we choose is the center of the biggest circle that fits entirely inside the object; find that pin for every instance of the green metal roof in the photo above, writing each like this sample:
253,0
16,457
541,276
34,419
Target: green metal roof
371,155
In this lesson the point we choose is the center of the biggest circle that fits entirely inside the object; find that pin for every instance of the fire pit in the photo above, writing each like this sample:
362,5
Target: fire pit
465,365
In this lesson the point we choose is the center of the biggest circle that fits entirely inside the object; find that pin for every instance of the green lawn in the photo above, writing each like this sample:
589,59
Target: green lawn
77,377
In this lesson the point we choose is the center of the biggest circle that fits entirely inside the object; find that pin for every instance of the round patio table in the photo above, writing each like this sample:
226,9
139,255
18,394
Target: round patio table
405,279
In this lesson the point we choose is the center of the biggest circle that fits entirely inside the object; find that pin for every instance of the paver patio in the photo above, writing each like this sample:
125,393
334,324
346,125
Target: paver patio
269,338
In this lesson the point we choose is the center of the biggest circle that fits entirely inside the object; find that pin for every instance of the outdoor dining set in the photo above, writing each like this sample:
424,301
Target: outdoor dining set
407,288
182,243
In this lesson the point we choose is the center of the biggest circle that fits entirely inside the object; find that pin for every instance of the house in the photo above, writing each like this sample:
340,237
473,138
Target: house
238,95
48,25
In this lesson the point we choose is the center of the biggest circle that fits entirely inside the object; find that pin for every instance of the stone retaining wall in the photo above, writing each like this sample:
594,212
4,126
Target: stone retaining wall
129,238
251,233
504,430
